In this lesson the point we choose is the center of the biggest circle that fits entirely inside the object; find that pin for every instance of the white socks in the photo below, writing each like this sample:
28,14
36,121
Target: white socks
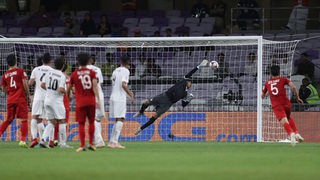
97,132
34,128
40,129
47,131
63,133
116,131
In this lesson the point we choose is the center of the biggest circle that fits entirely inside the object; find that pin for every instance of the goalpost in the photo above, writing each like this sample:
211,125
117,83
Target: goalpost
226,107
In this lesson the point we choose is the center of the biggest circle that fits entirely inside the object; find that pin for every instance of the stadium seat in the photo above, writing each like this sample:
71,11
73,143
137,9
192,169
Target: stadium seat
3,31
14,31
173,13
58,31
44,31
176,21
130,22
146,21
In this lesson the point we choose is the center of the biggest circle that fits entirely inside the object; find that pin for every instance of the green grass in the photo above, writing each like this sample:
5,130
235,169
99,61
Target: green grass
164,160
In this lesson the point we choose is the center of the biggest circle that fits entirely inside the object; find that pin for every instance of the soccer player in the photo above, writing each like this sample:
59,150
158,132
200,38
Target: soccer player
118,98
54,83
87,98
62,125
38,111
14,83
100,114
281,105
164,101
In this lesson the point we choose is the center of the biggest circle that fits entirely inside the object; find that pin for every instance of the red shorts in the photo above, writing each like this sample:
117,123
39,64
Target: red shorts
282,111
86,111
19,111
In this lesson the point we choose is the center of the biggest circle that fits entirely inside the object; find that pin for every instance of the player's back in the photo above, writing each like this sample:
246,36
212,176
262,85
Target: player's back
99,75
277,91
82,80
12,79
118,76
54,80
38,74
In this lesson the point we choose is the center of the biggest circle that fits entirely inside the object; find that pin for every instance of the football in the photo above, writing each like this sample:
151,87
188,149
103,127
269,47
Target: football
214,65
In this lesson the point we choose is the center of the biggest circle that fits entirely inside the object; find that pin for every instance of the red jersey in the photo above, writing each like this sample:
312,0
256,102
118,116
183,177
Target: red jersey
82,81
12,80
65,97
277,91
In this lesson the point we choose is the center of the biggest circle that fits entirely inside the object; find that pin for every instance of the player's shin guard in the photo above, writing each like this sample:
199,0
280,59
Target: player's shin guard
4,126
63,133
113,133
56,131
82,134
118,129
47,131
287,128
91,132
151,120
34,128
24,130
41,129
97,132
293,126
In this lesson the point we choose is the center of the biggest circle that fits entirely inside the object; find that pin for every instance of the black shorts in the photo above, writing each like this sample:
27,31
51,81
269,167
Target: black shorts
162,103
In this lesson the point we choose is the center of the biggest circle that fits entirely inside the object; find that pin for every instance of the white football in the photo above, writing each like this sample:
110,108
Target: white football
214,64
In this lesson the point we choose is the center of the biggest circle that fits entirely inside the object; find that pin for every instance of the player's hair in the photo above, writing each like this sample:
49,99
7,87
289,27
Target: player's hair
83,59
93,59
65,67
46,58
125,60
58,63
275,70
40,61
11,60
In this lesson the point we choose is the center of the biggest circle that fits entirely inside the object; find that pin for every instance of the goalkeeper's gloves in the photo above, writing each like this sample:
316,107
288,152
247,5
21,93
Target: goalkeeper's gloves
187,100
203,64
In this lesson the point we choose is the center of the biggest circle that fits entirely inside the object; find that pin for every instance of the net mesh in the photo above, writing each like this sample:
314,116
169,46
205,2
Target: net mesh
225,103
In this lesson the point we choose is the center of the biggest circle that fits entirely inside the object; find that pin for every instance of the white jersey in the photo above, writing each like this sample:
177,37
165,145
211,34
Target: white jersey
119,75
99,74
38,74
54,80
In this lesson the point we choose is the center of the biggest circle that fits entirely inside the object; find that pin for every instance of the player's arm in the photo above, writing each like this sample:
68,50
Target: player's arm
95,91
294,89
69,87
26,88
187,100
264,92
202,64
31,81
4,89
43,85
127,90
62,84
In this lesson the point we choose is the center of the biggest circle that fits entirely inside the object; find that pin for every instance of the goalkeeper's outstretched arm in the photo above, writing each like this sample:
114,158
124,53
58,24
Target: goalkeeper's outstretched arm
202,64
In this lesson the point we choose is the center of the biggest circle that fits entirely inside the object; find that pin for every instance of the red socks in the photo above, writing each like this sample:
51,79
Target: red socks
287,128
91,132
4,126
24,130
293,126
56,131
82,134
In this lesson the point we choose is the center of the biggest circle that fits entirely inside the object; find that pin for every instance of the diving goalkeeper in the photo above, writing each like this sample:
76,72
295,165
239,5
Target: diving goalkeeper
164,101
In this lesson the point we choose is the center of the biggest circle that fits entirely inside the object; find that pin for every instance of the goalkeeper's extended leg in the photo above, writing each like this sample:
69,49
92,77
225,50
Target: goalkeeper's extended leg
151,121
144,106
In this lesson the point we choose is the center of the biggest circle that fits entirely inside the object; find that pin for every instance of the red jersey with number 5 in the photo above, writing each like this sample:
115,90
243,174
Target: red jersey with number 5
277,91
12,80
82,81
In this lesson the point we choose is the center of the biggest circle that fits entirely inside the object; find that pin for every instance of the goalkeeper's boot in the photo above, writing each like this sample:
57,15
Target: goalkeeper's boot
138,131
137,114
299,138
81,149
92,147
293,139
34,142
23,144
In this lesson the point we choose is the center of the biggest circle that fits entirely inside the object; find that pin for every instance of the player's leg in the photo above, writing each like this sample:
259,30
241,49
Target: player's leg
144,106
63,134
36,124
100,114
282,117
11,112
293,124
91,113
118,110
47,131
56,134
22,115
81,119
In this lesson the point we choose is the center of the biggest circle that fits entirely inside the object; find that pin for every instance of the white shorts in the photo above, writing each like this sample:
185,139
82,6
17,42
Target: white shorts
38,108
117,109
55,111
100,113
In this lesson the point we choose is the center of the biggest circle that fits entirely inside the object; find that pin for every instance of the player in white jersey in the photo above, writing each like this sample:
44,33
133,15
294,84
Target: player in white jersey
38,111
118,98
100,112
54,83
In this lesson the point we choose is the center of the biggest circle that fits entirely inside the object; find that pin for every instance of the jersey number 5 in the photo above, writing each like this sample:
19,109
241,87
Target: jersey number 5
274,89
85,81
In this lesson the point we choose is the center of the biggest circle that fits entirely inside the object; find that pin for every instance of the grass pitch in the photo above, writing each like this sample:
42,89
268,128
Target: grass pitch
164,160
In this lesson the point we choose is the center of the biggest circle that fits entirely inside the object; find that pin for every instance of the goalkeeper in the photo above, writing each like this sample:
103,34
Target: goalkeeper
164,101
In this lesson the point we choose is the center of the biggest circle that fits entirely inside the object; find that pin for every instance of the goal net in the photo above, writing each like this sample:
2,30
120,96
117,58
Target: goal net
226,105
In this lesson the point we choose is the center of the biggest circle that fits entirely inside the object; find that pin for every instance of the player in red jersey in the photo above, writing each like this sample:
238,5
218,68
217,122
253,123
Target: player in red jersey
281,105
62,126
87,97
14,83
